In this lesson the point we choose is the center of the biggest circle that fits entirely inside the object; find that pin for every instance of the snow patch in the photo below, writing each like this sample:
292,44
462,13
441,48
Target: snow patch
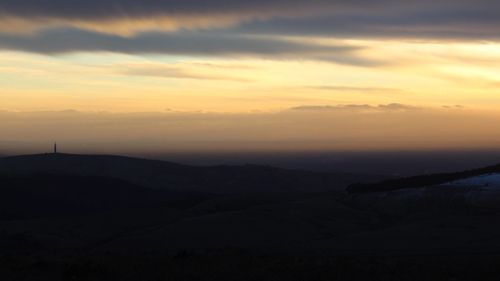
485,181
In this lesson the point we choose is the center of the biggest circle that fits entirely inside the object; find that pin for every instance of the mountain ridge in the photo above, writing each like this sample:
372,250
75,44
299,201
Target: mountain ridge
158,174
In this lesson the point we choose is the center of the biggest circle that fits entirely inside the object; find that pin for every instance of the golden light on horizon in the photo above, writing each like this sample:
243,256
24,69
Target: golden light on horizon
409,73
246,62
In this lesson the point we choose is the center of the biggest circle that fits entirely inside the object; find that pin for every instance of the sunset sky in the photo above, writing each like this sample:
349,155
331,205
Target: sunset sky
228,74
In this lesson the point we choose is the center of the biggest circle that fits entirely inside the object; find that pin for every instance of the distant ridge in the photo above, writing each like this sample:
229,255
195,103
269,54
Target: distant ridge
172,176
420,181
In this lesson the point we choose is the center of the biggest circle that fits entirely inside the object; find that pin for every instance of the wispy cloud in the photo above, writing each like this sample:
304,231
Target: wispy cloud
357,107
355,89
173,72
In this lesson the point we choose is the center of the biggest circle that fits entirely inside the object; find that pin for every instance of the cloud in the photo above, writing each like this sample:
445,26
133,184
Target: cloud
128,17
238,27
396,106
437,19
182,43
456,106
357,107
432,21
168,71
355,89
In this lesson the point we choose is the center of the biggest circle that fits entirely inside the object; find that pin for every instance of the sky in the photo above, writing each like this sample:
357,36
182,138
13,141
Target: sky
192,75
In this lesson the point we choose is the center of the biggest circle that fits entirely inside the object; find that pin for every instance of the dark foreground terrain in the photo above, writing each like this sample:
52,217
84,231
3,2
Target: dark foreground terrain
232,265
69,217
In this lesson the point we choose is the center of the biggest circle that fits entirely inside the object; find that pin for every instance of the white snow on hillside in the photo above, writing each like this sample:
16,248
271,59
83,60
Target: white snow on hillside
487,181
483,190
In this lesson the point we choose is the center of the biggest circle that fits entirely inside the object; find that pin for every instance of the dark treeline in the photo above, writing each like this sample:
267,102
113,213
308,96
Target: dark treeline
420,181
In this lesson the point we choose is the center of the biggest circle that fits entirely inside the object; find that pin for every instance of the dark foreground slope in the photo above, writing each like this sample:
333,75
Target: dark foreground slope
51,195
68,226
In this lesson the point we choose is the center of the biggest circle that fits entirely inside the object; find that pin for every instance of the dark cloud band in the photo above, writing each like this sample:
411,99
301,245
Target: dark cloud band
182,43
236,27
457,18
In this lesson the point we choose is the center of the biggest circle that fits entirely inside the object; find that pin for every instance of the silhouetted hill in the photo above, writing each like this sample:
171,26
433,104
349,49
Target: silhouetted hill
420,181
68,217
47,195
171,176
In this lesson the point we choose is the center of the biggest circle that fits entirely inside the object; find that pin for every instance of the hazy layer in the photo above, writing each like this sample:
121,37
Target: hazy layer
305,128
